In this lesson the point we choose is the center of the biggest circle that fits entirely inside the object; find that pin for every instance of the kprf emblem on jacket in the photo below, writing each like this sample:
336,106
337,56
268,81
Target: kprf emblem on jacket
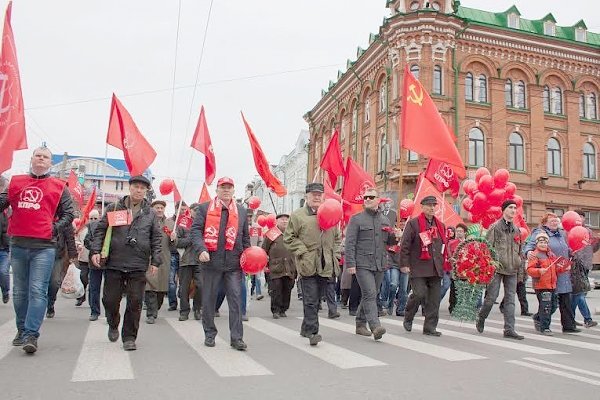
30,197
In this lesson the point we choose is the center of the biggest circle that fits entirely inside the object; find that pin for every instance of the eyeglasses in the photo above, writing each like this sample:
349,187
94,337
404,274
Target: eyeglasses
369,197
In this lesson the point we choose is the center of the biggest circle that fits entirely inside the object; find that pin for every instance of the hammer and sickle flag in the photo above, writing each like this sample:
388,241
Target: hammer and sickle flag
422,128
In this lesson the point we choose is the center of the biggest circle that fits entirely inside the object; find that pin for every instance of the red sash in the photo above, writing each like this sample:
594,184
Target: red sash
213,221
34,203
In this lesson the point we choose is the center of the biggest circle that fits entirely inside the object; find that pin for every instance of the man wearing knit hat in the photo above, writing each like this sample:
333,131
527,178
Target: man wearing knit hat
504,238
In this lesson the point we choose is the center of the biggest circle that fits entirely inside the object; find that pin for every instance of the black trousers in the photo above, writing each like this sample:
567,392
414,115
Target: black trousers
452,296
154,301
186,274
567,317
132,284
280,290
426,291
312,287
85,274
355,295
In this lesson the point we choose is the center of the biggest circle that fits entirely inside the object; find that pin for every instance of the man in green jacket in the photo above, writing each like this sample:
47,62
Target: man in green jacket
316,254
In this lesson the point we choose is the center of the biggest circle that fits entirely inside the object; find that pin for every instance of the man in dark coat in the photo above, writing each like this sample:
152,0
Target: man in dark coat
421,252
135,241
219,236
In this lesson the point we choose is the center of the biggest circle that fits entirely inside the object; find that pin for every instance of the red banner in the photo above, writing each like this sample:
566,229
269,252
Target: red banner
442,175
443,210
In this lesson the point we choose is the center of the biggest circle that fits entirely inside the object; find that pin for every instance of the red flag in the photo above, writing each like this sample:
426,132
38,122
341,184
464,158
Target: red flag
125,135
176,194
12,114
330,193
75,188
332,161
422,128
442,175
85,213
356,181
520,221
426,188
201,142
204,195
262,165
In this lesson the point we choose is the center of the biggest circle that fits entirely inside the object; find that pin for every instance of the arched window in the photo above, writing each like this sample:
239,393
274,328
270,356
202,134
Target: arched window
556,100
482,89
382,97
437,80
508,93
516,152
355,119
554,159
476,148
366,158
581,105
469,87
589,161
546,96
591,111
520,94
367,109
382,156
414,69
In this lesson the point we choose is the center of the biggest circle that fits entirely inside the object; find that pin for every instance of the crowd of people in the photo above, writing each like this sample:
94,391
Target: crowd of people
378,265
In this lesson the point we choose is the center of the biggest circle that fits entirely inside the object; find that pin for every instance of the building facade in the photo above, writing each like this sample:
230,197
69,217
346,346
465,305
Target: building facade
518,94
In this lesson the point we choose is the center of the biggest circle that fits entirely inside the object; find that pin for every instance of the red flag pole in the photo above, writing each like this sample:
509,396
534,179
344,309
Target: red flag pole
104,176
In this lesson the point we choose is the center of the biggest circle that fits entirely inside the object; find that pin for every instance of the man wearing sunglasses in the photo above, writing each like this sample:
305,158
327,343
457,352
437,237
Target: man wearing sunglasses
367,236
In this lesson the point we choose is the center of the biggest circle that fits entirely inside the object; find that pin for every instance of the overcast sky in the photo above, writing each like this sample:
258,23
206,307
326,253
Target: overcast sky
268,58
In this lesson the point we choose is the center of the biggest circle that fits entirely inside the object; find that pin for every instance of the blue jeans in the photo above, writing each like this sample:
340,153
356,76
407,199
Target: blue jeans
445,283
4,274
31,273
172,283
389,286
402,294
578,300
255,285
95,282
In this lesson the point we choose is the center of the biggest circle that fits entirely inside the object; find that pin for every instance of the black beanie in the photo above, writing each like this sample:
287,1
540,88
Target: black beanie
508,203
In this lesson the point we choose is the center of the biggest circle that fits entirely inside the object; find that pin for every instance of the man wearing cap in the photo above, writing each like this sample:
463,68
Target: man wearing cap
504,238
126,239
46,200
219,236
282,267
422,255
316,254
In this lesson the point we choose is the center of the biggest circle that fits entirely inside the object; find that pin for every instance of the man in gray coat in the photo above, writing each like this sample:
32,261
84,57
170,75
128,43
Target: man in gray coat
367,235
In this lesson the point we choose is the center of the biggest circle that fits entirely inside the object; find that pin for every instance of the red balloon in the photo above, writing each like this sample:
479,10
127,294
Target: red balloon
253,202
496,197
467,204
166,186
487,221
482,171
501,178
475,218
570,220
519,200
480,201
509,190
253,260
261,220
407,207
486,184
329,214
270,221
578,237
524,234
469,186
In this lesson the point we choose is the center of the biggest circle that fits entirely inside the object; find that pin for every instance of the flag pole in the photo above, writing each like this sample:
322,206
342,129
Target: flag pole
272,202
104,176
316,174
187,175
443,204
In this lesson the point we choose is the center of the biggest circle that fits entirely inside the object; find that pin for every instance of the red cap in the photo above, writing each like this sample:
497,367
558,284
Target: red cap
224,181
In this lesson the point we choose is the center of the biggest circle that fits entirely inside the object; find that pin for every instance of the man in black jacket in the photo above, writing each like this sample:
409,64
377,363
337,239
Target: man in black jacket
135,242
220,235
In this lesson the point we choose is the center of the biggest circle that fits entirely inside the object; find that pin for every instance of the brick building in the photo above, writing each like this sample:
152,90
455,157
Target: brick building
518,94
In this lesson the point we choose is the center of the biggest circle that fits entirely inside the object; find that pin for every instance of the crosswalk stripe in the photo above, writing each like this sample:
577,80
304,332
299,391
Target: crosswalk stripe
565,367
557,324
532,327
224,360
330,353
555,372
488,341
7,330
445,353
101,360
538,337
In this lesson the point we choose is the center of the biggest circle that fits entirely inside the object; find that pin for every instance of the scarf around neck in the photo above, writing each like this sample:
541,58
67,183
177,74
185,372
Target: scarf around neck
436,232
213,222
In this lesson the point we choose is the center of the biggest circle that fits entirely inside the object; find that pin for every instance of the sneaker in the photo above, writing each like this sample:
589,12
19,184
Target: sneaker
129,345
407,325
150,320
93,317
197,315
283,314
183,317
571,330
275,315
209,342
80,301
30,344
173,307
50,313
378,332
334,315
590,324
513,335
362,330
260,297
244,317
547,332
5,297
113,334
238,345
432,333
18,340
480,324
314,339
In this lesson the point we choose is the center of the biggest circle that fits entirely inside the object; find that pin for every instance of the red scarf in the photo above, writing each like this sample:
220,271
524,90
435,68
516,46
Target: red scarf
434,231
213,221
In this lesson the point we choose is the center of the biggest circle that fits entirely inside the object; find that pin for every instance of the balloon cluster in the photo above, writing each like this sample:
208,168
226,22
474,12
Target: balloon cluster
577,235
269,221
486,194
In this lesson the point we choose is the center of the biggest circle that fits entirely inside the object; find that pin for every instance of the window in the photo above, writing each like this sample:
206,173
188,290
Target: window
581,105
435,5
546,97
382,159
476,148
520,94
556,100
592,218
589,161
367,110
554,162
513,21
437,80
366,156
549,28
558,211
516,152
413,156
469,87
580,35
118,185
343,128
414,69
508,93
482,89
414,5
591,111
382,97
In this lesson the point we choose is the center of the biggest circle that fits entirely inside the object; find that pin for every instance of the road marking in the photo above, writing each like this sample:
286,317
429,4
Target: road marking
555,372
488,341
332,354
565,367
538,337
445,353
99,359
7,330
224,360
557,326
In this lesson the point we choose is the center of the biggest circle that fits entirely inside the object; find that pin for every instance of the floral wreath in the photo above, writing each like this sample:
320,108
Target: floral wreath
475,261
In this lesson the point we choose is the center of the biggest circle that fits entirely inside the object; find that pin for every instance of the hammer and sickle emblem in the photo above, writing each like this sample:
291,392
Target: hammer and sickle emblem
414,97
